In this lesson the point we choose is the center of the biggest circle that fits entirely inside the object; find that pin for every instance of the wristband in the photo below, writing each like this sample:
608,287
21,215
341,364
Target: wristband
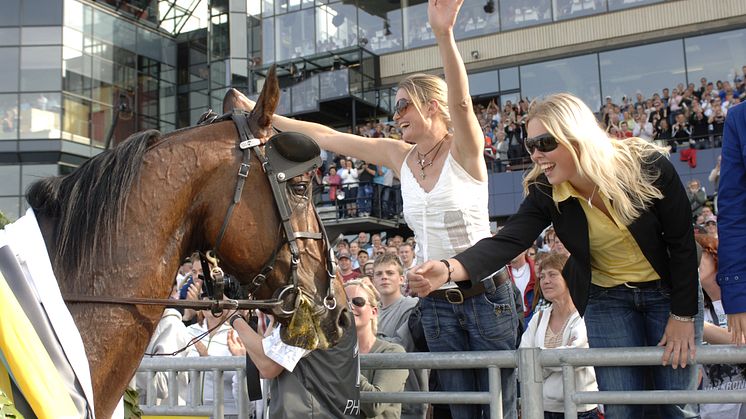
686,319
449,268
234,318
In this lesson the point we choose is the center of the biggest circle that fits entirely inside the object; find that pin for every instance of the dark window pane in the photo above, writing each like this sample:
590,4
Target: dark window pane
522,13
645,69
576,75
719,56
41,68
11,13
41,12
11,176
32,173
9,69
483,83
268,42
509,79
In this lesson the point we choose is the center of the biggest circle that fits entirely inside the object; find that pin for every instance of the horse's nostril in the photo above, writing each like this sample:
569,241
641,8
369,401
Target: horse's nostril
343,319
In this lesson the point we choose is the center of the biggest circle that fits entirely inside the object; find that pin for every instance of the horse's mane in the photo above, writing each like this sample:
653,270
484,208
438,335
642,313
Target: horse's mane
87,206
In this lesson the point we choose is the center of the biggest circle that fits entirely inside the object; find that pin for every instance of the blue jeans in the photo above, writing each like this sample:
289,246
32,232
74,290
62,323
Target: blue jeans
591,414
484,322
626,317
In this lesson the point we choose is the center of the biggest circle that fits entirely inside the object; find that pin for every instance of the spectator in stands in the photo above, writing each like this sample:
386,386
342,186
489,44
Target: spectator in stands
714,178
443,143
732,223
521,271
363,241
368,269
354,249
681,132
393,322
345,266
663,136
697,197
406,254
643,129
578,171
349,176
559,326
501,151
334,182
362,258
363,300
365,189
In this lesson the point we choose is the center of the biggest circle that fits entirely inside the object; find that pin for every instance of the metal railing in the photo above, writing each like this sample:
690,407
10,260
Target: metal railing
528,361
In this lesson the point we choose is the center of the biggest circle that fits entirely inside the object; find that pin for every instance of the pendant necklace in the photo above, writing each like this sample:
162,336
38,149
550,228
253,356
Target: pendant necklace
590,198
422,160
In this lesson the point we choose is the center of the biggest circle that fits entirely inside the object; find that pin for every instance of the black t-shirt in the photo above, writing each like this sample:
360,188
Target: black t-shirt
324,384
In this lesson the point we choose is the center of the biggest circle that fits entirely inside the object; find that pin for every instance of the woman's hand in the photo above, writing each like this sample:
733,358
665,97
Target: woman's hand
442,15
737,326
235,345
427,277
678,338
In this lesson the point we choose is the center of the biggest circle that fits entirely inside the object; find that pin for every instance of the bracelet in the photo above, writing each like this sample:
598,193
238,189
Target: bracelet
449,268
234,318
687,319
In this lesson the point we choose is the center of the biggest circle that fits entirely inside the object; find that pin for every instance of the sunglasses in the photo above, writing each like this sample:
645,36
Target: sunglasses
711,223
544,143
401,106
358,302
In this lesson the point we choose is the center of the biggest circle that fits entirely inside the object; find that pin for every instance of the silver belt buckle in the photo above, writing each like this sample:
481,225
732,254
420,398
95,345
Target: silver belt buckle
454,296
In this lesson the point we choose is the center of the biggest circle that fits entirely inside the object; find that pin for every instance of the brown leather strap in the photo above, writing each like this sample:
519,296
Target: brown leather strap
197,305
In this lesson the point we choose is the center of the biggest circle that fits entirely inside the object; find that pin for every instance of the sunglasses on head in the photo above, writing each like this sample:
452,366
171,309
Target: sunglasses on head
358,301
544,143
401,106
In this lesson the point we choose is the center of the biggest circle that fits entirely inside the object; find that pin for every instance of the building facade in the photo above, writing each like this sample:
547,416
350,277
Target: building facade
79,72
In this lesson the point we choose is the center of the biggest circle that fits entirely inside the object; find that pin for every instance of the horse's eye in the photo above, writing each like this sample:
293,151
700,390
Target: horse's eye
300,188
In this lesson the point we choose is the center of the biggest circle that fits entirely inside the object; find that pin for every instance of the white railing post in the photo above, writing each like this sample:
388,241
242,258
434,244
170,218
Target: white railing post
532,383
568,390
496,393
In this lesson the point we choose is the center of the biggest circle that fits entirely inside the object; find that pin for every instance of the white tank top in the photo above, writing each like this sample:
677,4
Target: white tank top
451,217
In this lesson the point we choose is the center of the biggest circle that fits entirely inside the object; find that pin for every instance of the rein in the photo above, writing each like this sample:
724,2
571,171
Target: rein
214,277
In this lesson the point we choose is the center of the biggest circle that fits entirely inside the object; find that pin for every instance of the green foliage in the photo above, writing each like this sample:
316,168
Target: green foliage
3,220
131,404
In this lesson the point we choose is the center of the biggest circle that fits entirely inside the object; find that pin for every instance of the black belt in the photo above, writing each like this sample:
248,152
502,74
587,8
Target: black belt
644,285
458,295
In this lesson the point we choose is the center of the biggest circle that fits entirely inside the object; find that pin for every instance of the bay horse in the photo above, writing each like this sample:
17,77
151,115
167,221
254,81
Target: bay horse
119,226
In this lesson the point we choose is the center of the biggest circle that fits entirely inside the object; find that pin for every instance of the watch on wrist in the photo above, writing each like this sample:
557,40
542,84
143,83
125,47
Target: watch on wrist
687,319
234,318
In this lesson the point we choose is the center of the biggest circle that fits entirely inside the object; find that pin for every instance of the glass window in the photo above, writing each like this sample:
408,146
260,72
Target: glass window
41,12
8,117
76,119
10,208
284,6
125,35
305,95
380,35
30,173
72,38
77,72
576,75
9,69
718,56
646,69
11,176
40,115
483,83
509,79
10,36
11,13
295,35
103,25
74,15
625,4
148,44
417,30
41,68
268,42
336,27
41,35
474,19
101,118
522,13
568,9
268,8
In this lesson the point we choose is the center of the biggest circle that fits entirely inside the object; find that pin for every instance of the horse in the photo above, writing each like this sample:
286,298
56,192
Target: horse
118,227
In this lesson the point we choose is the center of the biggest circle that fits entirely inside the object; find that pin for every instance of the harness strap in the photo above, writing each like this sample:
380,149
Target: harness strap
197,305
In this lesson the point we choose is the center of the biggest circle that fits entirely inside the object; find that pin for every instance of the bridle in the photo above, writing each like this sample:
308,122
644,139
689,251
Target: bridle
279,167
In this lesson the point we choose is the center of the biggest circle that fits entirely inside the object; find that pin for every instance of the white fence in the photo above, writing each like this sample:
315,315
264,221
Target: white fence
528,361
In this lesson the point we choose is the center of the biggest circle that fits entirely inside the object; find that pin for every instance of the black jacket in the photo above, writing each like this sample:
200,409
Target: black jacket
664,233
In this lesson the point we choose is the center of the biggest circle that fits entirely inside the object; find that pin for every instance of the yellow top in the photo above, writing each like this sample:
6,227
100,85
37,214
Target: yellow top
615,256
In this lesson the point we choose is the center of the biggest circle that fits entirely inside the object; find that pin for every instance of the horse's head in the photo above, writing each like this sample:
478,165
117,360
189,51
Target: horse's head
297,270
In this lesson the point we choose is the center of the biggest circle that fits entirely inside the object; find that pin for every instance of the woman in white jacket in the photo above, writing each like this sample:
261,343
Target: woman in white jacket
559,326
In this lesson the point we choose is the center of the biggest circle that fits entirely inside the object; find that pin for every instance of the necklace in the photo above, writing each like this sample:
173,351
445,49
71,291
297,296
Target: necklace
590,198
422,158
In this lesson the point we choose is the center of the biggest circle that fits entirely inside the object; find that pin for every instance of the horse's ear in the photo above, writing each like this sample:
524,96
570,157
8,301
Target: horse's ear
235,100
267,101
